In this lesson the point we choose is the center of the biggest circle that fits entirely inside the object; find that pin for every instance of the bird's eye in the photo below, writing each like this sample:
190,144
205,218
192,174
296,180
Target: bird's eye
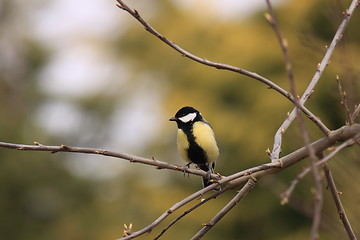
188,117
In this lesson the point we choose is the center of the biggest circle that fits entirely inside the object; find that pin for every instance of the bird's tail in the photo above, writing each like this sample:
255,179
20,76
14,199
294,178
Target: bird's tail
206,180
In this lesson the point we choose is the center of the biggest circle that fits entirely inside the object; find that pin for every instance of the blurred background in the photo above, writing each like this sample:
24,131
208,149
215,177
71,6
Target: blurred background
85,73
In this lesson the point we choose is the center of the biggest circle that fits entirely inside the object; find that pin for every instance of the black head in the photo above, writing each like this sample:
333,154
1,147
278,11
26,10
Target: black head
187,116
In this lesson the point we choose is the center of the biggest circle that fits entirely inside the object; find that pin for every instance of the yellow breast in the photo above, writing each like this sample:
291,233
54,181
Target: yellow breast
182,144
204,137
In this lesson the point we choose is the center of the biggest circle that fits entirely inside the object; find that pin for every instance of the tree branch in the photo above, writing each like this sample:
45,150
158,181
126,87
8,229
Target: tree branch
355,113
286,195
238,197
318,193
317,179
203,201
283,43
275,153
234,180
335,194
124,156
222,66
343,101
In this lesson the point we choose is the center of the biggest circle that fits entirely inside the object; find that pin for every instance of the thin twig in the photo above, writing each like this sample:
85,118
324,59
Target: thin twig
283,43
238,197
271,18
355,113
317,179
275,153
318,203
318,196
318,199
335,194
343,101
286,195
203,201
222,66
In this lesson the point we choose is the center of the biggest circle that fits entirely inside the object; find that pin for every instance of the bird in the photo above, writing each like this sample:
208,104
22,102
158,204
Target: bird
196,141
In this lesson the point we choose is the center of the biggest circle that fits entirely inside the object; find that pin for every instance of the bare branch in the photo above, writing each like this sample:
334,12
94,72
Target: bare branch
335,194
238,197
318,193
343,101
275,153
124,156
172,209
318,204
286,195
283,43
355,113
217,193
222,66
234,180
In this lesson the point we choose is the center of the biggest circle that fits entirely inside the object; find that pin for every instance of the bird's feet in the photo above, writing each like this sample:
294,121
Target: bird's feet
186,167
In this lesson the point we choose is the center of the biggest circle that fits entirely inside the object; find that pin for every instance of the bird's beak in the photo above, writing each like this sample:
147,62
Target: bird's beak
173,119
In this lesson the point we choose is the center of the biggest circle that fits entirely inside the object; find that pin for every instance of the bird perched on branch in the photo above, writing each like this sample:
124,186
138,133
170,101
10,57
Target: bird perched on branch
196,141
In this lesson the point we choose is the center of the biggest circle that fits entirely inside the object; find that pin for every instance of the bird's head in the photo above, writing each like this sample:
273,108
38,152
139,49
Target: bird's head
186,116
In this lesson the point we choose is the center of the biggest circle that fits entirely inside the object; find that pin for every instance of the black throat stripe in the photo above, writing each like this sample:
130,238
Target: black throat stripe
195,153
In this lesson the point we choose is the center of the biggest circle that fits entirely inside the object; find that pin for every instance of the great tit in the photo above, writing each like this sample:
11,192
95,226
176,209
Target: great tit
196,140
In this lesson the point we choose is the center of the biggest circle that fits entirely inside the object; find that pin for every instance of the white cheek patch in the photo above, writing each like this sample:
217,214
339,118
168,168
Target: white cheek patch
188,118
